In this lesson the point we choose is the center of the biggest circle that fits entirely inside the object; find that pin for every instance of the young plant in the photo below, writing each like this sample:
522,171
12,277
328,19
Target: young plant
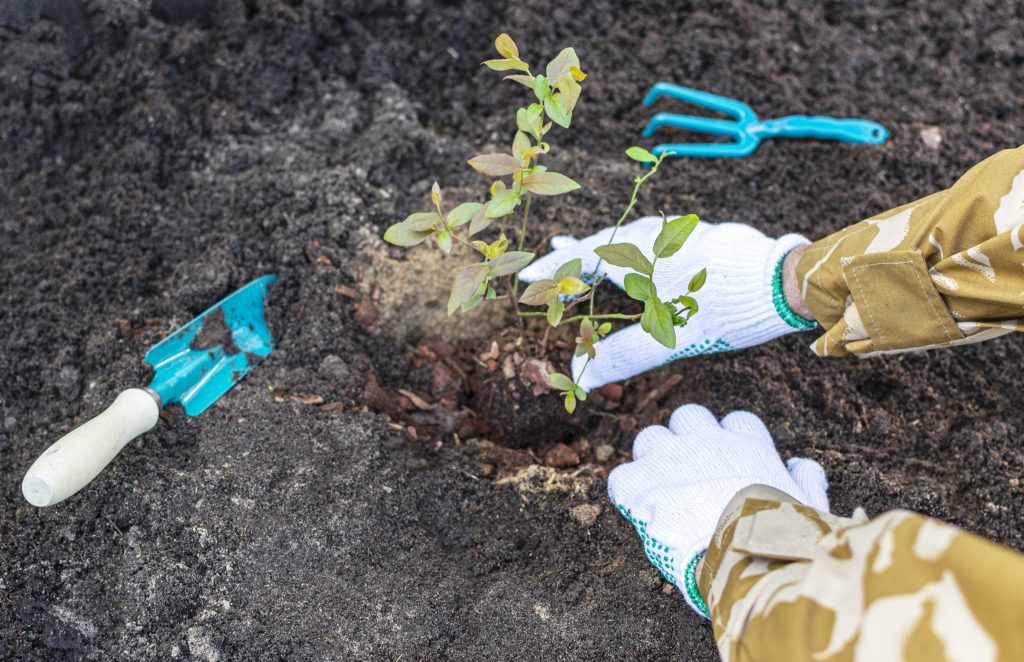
518,176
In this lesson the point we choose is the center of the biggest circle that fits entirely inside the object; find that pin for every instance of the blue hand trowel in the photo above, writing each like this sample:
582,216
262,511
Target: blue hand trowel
194,366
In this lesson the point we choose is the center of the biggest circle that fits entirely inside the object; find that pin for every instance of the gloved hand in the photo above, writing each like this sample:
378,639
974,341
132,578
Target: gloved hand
682,477
737,308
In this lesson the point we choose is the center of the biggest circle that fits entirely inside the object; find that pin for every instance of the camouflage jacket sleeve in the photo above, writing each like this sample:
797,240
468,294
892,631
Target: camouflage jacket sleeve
945,270
785,582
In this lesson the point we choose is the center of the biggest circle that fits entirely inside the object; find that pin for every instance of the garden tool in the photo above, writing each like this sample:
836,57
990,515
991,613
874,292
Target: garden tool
745,128
193,367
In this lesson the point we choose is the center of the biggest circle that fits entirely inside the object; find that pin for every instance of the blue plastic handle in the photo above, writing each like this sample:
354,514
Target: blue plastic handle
823,128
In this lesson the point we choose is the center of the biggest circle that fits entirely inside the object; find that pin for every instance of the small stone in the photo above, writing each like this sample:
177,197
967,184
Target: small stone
10,423
668,588
1015,482
611,392
586,514
334,368
561,457
931,136
604,452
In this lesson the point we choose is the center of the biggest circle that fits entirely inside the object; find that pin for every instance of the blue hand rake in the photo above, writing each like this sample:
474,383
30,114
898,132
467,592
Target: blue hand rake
745,128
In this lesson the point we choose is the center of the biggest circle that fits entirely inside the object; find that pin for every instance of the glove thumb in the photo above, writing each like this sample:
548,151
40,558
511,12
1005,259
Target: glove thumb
810,478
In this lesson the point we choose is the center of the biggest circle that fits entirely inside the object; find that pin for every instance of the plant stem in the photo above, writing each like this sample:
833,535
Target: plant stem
609,316
632,203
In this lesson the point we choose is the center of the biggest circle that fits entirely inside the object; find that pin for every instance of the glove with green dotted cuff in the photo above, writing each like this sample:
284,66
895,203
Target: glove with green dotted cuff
683,476
741,304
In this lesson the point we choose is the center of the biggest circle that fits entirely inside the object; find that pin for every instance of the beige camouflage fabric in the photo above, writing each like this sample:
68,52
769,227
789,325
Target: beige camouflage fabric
788,583
945,270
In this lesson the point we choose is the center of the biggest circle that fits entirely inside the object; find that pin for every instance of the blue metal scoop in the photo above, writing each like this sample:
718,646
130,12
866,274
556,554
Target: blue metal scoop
194,366
195,375
745,128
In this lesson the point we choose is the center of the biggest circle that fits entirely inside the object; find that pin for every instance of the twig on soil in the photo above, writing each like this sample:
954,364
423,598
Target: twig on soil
658,392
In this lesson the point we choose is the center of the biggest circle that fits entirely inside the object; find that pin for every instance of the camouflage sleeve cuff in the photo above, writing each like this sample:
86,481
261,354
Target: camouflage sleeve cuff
942,271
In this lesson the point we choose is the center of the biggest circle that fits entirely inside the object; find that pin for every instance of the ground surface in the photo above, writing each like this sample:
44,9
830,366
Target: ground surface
155,158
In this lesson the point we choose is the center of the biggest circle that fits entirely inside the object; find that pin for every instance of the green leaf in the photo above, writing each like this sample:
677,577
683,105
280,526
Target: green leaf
521,145
572,286
625,255
570,402
497,247
698,280
562,64
425,220
478,296
400,234
480,221
639,287
539,292
522,79
466,284
640,154
444,239
687,303
555,310
604,329
541,88
570,90
507,64
557,110
506,47
549,183
535,115
579,393
657,321
673,235
561,382
495,165
463,214
509,263
570,268
502,204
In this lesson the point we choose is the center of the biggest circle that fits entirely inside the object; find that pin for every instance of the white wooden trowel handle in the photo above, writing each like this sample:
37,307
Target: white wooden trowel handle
76,458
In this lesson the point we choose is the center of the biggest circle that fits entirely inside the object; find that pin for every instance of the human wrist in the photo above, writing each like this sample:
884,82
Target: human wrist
790,284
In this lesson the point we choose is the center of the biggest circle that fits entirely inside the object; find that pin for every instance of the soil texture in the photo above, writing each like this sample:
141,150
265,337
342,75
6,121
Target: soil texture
388,484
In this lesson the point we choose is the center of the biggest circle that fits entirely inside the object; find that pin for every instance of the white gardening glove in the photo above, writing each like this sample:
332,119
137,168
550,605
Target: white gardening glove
737,308
682,477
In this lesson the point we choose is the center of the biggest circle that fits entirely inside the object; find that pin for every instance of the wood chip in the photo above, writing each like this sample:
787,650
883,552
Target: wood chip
308,399
612,567
419,402
346,291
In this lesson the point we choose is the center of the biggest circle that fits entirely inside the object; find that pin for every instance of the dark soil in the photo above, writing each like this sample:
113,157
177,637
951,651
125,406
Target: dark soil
157,155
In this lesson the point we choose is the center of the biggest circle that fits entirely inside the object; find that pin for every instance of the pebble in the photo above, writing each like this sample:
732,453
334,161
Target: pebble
561,457
931,136
604,452
611,392
586,513
334,368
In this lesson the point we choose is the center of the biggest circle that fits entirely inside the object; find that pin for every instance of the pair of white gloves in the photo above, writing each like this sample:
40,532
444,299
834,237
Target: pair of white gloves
683,476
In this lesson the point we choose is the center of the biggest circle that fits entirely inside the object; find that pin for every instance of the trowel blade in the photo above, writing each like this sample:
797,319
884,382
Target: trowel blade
202,360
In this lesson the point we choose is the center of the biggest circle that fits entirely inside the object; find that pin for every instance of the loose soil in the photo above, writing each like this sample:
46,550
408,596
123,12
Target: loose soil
355,497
